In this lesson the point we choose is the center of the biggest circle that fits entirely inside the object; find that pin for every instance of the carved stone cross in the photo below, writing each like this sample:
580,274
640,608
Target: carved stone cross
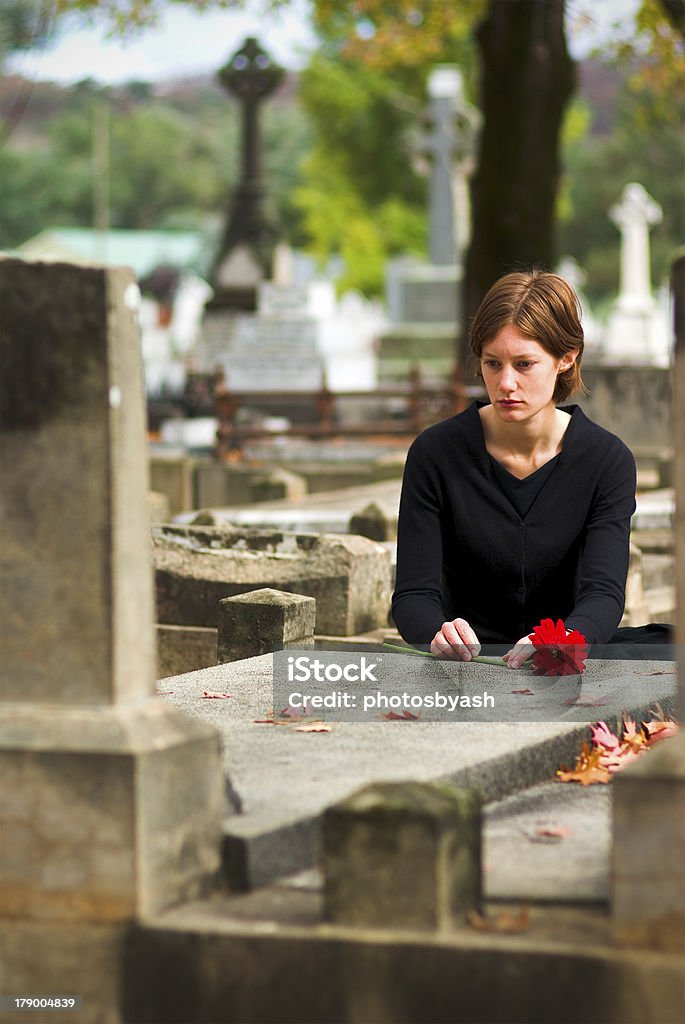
633,216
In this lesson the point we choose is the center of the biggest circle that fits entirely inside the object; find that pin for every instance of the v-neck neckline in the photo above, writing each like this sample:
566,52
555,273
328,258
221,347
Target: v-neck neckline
477,438
529,476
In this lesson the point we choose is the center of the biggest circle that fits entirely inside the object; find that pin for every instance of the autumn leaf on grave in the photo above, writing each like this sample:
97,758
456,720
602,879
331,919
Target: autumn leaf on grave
660,730
291,712
314,727
631,734
272,720
526,691
406,716
549,834
502,922
614,761
610,754
588,769
216,694
602,736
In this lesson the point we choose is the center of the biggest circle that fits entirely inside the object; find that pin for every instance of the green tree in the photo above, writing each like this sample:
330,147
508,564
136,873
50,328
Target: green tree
598,167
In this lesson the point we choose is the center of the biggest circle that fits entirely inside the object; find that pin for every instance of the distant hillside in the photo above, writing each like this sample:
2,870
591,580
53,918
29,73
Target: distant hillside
27,107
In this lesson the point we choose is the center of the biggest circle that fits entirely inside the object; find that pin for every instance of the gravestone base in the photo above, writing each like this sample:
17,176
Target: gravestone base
108,813
648,903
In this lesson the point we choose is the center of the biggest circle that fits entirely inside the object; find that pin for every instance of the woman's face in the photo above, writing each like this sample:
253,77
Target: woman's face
520,375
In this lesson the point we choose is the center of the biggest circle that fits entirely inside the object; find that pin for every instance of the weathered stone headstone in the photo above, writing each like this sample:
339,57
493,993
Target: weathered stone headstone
111,803
451,145
423,298
636,331
263,621
402,855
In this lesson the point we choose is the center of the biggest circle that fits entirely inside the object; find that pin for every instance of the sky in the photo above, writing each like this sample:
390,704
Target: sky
187,42
184,42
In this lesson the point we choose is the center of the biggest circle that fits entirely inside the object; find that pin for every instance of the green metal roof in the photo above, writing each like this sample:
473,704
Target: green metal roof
140,250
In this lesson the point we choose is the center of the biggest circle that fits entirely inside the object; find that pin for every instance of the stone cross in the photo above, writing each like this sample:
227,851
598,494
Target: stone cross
633,216
450,145
247,250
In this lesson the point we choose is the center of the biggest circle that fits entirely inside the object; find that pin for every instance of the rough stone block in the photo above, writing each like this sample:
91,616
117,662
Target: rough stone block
278,484
375,521
402,855
350,577
263,621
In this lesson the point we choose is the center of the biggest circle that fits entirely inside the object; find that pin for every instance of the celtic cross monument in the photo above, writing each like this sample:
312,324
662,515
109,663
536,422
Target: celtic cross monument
246,253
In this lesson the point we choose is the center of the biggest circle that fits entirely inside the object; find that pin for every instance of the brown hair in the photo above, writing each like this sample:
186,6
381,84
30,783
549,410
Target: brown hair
545,308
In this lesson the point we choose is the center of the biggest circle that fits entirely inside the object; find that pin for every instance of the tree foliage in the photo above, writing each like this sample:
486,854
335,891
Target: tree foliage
173,160
364,196
599,166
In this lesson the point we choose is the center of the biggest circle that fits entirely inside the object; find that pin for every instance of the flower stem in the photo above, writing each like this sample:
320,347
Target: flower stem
428,654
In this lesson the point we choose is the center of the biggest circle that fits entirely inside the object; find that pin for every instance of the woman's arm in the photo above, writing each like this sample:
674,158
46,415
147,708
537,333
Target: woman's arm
417,600
604,560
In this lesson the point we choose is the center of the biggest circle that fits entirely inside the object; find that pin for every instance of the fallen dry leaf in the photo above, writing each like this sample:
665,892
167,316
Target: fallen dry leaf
588,769
502,922
314,727
610,754
290,712
660,730
272,721
531,692
602,736
550,833
663,672
585,776
406,716
215,694
586,702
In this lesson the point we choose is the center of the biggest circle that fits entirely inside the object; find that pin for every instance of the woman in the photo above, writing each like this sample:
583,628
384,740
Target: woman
516,510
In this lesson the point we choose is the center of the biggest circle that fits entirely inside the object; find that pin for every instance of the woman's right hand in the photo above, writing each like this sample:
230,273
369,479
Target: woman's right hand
455,641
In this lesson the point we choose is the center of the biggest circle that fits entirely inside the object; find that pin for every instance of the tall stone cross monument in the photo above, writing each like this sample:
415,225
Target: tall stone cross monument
246,253
451,145
635,333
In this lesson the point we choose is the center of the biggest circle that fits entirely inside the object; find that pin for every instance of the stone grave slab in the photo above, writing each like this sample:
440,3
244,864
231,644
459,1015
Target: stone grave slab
285,779
198,566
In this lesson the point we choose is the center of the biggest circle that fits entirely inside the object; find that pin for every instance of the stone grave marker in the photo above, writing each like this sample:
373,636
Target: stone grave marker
198,566
111,803
636,332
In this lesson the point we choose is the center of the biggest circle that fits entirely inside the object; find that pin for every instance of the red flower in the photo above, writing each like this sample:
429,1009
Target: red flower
558,653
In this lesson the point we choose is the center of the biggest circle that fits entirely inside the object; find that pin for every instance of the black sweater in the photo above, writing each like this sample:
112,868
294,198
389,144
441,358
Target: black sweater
463,550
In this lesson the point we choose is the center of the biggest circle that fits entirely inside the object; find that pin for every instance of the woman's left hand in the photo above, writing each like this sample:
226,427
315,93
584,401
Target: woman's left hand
520,652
